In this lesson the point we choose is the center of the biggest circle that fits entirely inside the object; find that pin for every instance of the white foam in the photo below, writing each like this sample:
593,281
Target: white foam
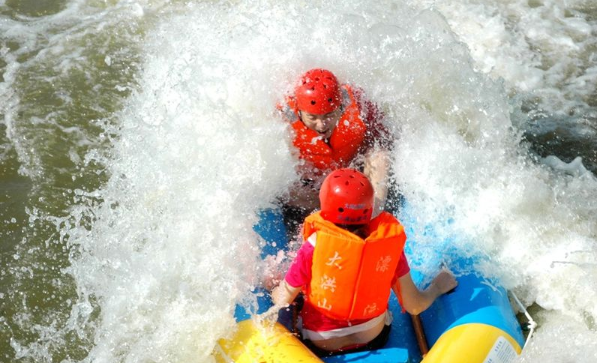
581,349
542,50
575,167
199,149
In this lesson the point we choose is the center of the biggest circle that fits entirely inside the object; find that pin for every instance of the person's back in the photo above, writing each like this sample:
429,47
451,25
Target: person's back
343,308
346,268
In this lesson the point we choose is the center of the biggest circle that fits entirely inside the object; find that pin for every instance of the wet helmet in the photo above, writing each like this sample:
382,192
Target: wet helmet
318,92
346,197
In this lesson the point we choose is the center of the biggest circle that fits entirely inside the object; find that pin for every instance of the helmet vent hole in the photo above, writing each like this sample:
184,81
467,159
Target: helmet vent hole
341,210
313,102
365,211
346,183
330,100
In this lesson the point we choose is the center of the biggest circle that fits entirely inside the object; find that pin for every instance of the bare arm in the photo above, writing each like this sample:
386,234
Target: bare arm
377,164
416,301
284,294
304,196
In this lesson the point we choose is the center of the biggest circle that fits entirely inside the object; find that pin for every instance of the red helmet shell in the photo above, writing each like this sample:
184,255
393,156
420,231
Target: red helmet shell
318,92
346,197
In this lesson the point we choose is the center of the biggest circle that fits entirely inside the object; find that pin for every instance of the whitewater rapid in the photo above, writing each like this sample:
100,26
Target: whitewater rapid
179,146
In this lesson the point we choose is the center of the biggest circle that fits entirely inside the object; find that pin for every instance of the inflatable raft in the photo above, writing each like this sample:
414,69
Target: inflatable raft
475,323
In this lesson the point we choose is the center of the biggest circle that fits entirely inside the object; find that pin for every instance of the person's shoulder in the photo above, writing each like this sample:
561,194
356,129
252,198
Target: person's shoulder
285,103
355,90
287,109
387,216
352,94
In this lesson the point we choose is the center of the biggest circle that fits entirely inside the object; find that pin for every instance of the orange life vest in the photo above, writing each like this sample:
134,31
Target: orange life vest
344,143
352,277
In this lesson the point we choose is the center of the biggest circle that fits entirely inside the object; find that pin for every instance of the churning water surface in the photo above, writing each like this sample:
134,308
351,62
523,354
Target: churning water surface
139,138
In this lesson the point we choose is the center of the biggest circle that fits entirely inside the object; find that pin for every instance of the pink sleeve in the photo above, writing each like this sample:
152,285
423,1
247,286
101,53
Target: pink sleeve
402,268
299,273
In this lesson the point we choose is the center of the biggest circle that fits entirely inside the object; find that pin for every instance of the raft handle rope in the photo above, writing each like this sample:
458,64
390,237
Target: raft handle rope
531,324
219,350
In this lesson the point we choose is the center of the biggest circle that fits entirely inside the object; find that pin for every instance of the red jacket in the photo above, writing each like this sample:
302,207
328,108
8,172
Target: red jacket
356,131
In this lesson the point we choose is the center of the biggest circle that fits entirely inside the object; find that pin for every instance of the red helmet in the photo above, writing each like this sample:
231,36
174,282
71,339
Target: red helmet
346,197
318,92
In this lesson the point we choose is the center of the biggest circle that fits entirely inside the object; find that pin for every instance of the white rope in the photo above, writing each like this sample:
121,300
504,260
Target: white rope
531,323
219,350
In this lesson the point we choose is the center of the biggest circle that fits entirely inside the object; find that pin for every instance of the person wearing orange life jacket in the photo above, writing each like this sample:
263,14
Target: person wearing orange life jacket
346,268
333,127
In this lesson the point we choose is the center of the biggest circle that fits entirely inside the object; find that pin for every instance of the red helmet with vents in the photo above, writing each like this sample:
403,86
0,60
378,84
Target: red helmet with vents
346,197
318,92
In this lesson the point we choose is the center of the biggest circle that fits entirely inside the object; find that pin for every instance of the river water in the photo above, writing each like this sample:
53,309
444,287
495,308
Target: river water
138,139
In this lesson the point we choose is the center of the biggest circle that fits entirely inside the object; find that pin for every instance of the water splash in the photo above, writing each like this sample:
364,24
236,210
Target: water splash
154,237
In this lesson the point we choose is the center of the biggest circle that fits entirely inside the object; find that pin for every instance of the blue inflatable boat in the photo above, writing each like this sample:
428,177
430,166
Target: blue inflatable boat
474,324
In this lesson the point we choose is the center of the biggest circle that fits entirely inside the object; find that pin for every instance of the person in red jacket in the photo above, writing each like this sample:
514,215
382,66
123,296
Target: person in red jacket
347,266
333,127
